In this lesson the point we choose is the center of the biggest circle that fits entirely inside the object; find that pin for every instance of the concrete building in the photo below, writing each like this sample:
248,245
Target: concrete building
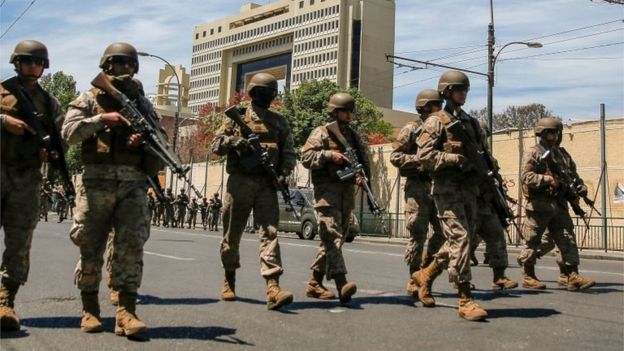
296,40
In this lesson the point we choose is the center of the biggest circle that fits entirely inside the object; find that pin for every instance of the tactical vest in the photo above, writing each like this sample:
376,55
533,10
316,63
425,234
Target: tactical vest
452,144
412,150
110,146
328,173
268,135
22,150
531,194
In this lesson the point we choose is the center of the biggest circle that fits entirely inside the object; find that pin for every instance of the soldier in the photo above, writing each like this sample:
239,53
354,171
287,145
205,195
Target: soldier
249,187
547,207
158,212
323,154
169,218
151,205
111,190
454,188
203,210
215,211
490,229
420,209
46,196
192,215
181,202
22,154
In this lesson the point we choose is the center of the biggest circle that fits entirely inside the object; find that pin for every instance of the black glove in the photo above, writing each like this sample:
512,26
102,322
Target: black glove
239,144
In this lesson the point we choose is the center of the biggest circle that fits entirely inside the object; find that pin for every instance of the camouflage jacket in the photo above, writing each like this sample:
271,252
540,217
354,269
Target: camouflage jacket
404,151
273,126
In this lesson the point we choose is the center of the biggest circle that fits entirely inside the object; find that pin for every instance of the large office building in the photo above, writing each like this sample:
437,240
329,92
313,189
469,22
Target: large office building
344,41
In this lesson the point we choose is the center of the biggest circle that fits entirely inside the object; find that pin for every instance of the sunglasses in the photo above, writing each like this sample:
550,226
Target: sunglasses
123,60
30,60
462,88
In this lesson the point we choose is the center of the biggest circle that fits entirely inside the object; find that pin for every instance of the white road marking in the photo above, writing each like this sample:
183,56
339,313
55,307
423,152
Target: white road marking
583,271
168,256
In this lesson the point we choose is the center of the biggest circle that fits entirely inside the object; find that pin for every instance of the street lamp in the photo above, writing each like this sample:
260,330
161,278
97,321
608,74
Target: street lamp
179,105
179,102
492,62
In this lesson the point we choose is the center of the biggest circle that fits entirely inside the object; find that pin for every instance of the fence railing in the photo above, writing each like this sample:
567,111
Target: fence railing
592,238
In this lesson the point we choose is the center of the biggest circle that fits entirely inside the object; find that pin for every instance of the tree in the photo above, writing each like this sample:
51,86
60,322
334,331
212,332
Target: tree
525,116
63,87
305,109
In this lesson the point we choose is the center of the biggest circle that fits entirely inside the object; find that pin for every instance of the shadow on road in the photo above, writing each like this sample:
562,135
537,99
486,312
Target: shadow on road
155,300
521,312
356,303
14,335
219,334
62,322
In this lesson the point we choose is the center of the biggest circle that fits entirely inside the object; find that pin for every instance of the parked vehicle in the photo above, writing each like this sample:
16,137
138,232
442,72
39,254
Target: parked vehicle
305,227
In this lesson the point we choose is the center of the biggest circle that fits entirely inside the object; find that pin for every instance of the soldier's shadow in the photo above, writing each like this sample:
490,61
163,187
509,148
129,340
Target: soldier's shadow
494,313
63,322
155,300
357,303
14,334
219,334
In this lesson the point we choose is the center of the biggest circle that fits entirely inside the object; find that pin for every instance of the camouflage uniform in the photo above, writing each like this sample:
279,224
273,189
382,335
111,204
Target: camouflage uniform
454,190
181,203
420,209
215,212
111,194
203,210
192,215
334,199
168,217
249,189
21,179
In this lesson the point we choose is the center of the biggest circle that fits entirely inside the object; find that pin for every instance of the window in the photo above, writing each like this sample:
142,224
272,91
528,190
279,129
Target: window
300,4
219,29
196,36
311,2
204,34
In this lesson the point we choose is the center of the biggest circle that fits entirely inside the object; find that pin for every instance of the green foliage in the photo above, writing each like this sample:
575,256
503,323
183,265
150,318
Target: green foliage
60,85
525,116
72,157
306,108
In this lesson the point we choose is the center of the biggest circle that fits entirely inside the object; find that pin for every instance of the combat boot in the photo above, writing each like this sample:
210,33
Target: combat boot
126,321
412,288
345,289
576,281
229,286
8,318
424,280
563,276
315,288
500,281
277,297
468,308
529,280
91,322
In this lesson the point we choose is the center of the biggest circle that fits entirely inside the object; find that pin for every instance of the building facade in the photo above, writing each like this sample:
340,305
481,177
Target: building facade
344,41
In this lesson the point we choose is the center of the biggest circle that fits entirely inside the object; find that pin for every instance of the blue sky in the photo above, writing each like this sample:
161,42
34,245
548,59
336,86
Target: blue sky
572,83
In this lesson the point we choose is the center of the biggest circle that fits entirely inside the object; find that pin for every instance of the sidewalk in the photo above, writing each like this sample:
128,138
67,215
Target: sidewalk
585,253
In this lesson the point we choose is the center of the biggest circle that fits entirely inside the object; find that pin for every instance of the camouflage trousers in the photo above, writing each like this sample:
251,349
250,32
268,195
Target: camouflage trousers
214,219
457,212
181,215
244,194
560,229
103,205
547,245
168,218
334,204
420,211
489,228
19,217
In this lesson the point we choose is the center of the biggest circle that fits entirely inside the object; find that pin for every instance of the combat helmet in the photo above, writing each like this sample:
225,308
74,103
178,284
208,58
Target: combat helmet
31,48
426,95
262,79
120,49
548,123
450,79
341,101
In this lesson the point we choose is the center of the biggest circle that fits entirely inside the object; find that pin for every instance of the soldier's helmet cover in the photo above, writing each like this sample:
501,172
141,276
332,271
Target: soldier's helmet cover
32,48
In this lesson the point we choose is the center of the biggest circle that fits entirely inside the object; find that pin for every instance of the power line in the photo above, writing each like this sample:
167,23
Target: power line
440,49
564,51
18,18
576,29
3,1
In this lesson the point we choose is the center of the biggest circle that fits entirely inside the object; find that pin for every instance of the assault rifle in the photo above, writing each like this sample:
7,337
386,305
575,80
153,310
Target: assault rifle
155,139
260,156
569,187
51,142
355,168
485,167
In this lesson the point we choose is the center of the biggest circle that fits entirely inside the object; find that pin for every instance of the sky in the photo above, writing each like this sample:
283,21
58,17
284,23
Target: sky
580,65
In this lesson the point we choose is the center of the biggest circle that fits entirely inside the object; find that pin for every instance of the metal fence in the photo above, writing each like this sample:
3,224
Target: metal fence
592,238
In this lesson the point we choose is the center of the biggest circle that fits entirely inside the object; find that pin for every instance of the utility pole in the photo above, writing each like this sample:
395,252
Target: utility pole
490,74
603,166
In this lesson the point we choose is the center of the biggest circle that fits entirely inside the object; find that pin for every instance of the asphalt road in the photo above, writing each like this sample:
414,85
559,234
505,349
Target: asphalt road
183,276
